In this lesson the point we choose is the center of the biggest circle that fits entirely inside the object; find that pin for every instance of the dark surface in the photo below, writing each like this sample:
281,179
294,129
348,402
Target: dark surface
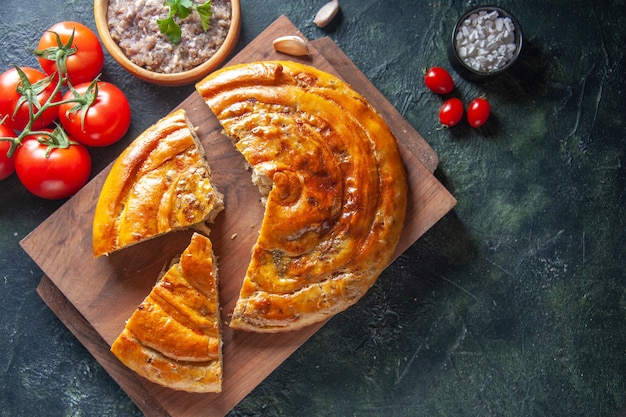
513,305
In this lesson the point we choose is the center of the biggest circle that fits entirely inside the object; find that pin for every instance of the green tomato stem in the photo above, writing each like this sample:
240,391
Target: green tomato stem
59,137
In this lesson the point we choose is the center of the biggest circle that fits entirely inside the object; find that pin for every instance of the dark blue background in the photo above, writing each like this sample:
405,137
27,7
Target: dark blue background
513,305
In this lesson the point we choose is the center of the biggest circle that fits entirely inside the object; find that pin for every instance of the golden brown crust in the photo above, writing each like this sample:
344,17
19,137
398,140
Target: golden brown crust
173,338
336,209
160,183
177,375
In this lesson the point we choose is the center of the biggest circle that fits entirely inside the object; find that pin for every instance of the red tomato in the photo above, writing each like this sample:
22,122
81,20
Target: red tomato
84,64
478,112
106,120
10,97
451,112
439,81
54,176
7,164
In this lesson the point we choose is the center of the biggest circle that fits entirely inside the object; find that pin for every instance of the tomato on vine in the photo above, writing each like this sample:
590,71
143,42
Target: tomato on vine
7,163
76,47
55,164
17,86
52,165
100,115
439,81
478,112
451,112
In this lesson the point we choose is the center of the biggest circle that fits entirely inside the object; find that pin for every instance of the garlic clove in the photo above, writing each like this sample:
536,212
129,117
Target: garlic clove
291,45
326,14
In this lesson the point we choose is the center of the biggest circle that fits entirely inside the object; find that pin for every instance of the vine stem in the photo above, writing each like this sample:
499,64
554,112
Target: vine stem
60,57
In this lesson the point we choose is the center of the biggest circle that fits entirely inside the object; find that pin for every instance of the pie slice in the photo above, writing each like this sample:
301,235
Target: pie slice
333,183
161,182
173,338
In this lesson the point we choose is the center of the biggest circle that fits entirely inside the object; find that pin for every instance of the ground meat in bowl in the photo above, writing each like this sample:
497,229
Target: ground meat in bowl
133,26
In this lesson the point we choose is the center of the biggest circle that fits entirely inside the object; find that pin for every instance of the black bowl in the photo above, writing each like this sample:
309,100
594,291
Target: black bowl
463,67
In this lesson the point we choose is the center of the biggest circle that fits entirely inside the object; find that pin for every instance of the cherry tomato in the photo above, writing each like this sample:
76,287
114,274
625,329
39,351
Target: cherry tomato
451,112
7,164
10,99
84,64
439,81
56,175
478,112
106,120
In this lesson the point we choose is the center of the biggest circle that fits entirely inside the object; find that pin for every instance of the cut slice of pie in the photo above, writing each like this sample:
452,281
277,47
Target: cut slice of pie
333,183
174,338
161,182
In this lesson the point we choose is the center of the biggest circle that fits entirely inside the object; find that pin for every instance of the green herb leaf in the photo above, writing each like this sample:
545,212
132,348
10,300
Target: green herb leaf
204,10
170,28
181,9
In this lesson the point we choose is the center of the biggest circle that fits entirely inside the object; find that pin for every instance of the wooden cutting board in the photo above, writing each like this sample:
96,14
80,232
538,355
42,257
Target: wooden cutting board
94,297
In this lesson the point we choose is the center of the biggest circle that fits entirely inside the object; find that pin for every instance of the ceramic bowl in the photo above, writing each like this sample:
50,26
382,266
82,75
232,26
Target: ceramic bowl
174,79
463,65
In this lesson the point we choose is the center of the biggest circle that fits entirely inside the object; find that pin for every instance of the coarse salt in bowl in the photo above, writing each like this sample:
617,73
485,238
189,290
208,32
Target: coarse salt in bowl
486,41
